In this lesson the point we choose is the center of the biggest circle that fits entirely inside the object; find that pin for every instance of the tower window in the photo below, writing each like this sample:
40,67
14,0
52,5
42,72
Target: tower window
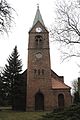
38,40
35,71
42,71
39,72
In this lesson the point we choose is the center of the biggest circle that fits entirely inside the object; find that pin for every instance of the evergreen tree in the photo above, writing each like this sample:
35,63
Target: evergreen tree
11,77
1,91
76,98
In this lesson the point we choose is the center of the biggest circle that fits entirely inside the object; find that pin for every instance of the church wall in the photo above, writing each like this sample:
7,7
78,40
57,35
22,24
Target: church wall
67,97
48,100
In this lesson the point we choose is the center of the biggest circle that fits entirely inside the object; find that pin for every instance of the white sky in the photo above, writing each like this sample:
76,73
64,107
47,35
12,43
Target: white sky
26,10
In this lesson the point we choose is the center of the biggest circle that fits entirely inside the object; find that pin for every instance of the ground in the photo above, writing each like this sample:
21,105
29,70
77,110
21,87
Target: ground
11,115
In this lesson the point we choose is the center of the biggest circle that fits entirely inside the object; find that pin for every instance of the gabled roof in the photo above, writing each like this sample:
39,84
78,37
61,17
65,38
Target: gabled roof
57,84
55,76
38,17
57,81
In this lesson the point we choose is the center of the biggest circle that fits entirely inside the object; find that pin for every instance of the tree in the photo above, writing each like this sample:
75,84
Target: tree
75,86
71,113
76,96
1,91
11,77
6,18
67,27
79,86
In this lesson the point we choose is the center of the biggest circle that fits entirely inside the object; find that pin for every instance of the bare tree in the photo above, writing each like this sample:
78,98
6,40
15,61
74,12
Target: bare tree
6,18
67,27
76,96
74,86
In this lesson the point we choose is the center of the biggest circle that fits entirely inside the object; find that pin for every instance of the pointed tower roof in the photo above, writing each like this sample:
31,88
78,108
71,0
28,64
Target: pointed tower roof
38,17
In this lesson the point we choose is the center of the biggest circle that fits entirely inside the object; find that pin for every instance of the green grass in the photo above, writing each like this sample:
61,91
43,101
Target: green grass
11,115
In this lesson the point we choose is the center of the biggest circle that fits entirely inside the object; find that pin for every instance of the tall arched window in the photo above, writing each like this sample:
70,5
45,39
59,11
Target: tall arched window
39,101
42,71
61,101
35,71
38,71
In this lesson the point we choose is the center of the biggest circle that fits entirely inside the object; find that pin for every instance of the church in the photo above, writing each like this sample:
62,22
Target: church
45,90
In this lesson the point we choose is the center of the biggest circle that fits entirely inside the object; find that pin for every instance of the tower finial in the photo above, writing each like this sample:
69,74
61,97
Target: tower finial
37,5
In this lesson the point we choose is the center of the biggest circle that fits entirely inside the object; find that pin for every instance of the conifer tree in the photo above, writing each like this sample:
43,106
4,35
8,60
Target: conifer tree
76,98
11,77
1,91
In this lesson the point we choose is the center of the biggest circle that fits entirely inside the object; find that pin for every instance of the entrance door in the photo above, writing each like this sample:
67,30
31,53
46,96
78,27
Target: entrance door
39,101
61,101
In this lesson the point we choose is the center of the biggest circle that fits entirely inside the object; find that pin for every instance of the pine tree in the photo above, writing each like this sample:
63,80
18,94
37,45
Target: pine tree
76,98
1,91
11,77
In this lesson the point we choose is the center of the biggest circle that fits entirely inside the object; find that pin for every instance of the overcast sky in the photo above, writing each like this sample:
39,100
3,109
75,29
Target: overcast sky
26,10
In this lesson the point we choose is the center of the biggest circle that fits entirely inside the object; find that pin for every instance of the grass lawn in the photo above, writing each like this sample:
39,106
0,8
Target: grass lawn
11,115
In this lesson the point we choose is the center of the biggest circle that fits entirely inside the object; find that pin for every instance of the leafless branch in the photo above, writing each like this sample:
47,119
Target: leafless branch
67,29
6,18
68,56
75,86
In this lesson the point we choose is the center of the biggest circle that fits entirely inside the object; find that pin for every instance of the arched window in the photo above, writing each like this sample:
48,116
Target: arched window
38,40
35,71
39,101
39,72
42,71
61,101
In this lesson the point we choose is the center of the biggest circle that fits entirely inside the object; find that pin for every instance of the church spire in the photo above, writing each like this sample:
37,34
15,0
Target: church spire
38,17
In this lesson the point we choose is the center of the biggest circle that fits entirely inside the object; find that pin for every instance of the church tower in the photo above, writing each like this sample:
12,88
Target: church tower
45,89
39,69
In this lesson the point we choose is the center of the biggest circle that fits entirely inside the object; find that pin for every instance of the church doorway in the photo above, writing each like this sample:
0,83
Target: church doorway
61,101
39,101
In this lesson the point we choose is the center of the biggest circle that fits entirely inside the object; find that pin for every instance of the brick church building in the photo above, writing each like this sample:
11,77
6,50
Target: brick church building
45,90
